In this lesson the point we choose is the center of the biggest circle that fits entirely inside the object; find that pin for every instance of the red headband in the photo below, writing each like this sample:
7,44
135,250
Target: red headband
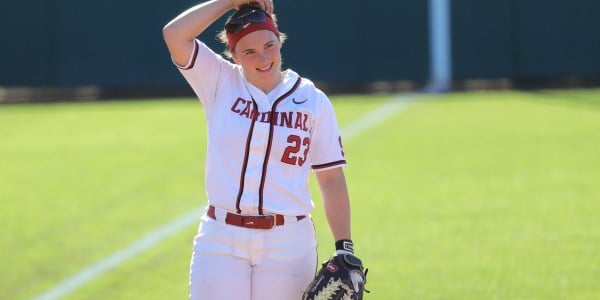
268,24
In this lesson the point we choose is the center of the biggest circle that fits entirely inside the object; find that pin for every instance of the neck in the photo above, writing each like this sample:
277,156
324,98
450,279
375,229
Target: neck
268,84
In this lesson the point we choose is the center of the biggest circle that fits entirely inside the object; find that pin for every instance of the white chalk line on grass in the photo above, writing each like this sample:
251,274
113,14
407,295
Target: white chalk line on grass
372,119
65,287
147,242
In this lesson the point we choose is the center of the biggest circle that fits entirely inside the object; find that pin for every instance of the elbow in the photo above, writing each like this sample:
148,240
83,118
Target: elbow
171,31
167,32
173,34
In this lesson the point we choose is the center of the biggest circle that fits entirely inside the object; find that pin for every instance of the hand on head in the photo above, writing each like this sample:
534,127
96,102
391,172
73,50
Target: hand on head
267,5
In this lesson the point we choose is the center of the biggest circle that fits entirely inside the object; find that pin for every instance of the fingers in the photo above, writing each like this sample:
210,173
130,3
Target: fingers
357,280
269,6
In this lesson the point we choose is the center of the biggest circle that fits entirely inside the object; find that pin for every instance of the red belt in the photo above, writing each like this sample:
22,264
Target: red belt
254,222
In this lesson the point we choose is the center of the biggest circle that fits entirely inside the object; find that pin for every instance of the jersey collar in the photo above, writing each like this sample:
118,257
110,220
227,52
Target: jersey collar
289,79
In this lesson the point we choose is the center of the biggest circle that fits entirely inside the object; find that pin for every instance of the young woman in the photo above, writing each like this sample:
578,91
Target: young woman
267,129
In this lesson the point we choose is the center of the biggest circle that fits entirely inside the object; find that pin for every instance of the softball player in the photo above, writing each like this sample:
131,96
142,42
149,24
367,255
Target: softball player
267,129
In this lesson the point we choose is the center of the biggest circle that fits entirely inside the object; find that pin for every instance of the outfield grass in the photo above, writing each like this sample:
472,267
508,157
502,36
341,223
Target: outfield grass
459,196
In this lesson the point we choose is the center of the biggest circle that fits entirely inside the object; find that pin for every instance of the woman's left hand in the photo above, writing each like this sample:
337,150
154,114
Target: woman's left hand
267,5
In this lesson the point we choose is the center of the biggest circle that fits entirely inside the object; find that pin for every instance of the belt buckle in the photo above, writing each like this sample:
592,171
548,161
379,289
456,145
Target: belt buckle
273,219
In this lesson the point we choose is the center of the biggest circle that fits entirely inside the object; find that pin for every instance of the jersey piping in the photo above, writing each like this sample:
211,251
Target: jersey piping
267,152
270,141
192,61
328,165
245,163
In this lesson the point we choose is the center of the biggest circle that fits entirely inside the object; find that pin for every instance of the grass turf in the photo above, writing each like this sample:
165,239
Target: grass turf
459,196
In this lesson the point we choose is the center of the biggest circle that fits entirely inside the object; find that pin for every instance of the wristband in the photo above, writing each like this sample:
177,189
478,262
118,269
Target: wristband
345,245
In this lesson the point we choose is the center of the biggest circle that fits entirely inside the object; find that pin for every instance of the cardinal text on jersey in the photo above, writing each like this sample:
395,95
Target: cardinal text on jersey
289,119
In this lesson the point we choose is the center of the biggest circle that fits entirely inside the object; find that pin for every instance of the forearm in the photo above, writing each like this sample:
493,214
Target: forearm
179,33
336,202
192,22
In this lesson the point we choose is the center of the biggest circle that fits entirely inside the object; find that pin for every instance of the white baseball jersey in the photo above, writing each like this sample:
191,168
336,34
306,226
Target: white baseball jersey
261,147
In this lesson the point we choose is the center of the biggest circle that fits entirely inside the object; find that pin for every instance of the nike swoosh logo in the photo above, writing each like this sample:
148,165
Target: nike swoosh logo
299,102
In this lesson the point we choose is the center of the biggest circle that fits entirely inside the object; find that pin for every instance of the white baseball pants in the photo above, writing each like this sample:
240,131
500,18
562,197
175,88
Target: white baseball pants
236,263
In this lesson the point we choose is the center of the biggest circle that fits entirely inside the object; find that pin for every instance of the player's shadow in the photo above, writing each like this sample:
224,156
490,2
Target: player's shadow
572,99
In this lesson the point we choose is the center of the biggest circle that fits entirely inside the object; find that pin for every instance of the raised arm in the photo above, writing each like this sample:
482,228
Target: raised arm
179,33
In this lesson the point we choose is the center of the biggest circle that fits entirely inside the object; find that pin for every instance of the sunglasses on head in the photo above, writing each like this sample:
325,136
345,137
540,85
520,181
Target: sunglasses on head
241,21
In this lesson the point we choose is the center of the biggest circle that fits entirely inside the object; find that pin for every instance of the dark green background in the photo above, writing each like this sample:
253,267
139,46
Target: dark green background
119,44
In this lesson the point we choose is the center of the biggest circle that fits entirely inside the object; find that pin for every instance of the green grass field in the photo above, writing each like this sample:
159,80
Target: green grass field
461,196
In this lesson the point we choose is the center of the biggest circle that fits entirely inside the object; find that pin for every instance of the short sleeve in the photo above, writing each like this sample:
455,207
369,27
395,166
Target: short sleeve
326,150
203,71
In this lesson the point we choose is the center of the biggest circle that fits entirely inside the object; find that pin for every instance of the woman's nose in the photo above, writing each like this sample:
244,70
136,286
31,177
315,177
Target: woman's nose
264,55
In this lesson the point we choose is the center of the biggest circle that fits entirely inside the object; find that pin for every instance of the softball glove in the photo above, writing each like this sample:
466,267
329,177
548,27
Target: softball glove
341,277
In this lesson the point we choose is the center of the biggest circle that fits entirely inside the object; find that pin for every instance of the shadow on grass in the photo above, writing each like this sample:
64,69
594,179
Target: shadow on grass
587,99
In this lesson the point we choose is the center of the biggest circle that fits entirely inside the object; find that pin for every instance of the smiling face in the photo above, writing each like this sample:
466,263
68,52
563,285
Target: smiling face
259,54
